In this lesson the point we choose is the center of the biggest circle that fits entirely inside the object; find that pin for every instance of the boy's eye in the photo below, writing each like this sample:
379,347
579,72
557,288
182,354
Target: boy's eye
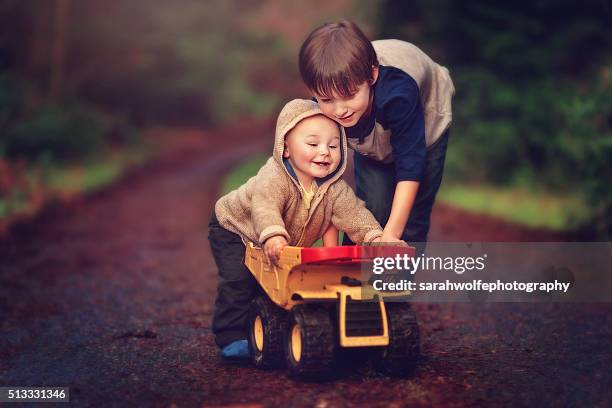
312,144
333,147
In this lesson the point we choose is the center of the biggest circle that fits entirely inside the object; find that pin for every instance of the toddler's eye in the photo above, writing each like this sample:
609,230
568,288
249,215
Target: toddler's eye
312,144
333,147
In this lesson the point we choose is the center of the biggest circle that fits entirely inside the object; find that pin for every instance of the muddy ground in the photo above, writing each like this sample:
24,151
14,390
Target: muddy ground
112,296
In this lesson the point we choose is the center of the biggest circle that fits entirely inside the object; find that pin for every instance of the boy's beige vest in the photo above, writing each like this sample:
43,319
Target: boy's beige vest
436,89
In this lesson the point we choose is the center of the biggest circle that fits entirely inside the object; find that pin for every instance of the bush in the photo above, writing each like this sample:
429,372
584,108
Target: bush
534,101
10,99
56,132
586,140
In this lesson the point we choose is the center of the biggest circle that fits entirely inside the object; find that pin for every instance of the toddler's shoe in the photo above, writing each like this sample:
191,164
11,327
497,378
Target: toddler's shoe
236,352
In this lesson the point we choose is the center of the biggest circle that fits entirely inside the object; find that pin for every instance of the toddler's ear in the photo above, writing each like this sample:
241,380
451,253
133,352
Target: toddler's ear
286,151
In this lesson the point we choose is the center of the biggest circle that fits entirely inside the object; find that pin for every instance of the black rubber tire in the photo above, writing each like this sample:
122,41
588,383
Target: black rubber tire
317,340
274,321
399,358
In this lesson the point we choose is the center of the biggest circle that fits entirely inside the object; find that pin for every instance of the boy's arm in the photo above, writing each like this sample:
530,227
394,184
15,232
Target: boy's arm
404,116
403,200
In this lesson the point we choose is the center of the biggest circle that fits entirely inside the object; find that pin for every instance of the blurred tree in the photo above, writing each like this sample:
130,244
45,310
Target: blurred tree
533,102
58,53
186,61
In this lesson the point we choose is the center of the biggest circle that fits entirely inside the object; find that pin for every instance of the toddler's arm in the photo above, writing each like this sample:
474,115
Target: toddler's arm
267,205
330,238
351,216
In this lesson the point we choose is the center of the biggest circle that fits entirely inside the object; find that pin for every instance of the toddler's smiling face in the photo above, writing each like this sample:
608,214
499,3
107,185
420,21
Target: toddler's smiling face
313,148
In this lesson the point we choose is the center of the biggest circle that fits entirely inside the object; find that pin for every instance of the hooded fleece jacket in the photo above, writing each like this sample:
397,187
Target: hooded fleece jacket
271,203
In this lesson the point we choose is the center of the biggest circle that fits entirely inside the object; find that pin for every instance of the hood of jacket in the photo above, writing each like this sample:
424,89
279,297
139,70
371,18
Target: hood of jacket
271,202
294,112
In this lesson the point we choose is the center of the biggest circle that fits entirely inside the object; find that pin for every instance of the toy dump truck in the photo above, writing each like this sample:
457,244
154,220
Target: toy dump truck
314,305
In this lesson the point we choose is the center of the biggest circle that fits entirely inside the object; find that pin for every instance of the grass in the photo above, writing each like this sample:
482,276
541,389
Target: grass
86,178
48,180
14,203
241,173
534,209
519,205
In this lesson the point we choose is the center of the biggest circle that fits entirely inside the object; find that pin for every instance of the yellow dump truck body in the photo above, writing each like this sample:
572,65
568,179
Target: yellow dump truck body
314,275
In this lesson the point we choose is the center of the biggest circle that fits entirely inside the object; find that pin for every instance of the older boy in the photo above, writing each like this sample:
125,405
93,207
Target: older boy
395,103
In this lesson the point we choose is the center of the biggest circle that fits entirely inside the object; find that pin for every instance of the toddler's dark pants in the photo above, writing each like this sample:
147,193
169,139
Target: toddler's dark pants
375,184
236,286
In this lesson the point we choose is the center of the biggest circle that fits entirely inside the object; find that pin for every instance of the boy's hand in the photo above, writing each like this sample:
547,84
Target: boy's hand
273,247
388,237
391,240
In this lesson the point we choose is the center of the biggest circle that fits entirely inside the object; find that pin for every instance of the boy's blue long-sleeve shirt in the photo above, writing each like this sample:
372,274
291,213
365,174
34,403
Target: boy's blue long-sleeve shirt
397,107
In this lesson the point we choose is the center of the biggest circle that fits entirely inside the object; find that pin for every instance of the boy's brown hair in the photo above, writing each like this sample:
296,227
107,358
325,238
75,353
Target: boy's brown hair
337,58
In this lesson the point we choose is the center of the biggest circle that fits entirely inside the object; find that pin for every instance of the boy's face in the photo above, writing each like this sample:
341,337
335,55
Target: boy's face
313,148
348,110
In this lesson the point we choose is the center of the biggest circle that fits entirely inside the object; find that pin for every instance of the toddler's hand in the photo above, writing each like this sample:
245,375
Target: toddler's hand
273,247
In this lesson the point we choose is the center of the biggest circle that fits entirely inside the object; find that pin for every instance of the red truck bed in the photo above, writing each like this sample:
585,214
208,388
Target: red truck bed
351,254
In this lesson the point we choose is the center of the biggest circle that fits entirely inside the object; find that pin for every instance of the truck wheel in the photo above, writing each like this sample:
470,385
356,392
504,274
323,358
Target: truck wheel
309,342
266,327
400,356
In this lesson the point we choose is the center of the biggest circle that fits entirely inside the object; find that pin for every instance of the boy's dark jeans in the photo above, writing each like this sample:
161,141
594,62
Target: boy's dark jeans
236,287
375,184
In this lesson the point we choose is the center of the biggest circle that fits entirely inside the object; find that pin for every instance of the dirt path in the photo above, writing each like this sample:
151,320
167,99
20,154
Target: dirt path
113,298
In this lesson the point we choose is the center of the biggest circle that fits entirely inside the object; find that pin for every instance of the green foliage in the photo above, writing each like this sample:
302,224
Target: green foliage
186,61
587,141
90,177
519,205
239,175
560,140
174,64
61,133
53,131
66,131
533,107
10,98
